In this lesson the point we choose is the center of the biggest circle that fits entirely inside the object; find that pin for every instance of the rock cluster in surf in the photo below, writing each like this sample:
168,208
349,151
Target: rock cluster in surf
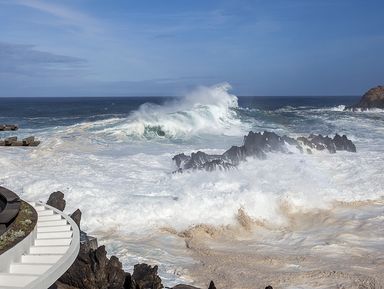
373,98
13,141
258,145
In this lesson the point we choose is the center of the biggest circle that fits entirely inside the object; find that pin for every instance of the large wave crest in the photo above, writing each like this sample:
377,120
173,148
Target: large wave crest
206,110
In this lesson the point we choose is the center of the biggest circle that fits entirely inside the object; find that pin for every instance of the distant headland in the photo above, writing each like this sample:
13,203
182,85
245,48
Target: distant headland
373,98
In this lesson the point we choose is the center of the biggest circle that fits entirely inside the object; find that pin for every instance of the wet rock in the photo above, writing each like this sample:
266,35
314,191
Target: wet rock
212,285
342,143
373,98
56,200
88,242
93,270
146,277
258,145
8,127
76,217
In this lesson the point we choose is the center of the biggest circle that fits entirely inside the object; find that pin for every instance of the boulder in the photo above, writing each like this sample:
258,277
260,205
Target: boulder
56,200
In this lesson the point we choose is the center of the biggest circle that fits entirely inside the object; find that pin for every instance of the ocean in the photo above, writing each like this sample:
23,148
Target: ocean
112,158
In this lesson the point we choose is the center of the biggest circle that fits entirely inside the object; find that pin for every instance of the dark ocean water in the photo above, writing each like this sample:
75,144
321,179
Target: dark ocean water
32,112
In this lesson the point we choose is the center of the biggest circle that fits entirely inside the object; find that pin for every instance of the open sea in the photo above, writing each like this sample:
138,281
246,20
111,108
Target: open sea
110,158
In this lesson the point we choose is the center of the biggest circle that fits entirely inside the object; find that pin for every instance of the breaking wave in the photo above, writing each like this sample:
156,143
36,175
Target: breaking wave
207,110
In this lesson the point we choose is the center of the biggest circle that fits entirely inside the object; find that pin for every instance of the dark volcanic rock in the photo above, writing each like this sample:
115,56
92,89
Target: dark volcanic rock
76,216
212,285
342,143
56,200
93,270
258,145
146,277
373,98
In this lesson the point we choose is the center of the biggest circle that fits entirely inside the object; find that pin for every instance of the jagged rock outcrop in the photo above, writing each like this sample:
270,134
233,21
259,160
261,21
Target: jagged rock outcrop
76,216
56,200
146,277
93,270
373,98
258,145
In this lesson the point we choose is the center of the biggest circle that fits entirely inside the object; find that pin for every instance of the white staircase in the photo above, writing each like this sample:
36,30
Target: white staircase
54,247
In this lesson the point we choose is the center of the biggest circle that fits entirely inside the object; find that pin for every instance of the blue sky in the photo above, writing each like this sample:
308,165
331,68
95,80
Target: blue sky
123,47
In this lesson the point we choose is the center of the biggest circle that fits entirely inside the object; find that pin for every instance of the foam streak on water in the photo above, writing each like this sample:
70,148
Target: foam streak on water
118,170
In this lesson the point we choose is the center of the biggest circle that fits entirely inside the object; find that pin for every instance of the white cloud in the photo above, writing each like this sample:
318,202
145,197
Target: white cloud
63,15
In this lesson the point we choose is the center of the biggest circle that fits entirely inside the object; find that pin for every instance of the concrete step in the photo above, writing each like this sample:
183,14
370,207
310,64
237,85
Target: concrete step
48,250
63,228
40,259
29,269
54,235
54,217
44,213
8,280
39,208
52,242
52,223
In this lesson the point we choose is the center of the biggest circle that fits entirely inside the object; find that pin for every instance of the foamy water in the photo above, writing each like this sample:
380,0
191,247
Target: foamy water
119,172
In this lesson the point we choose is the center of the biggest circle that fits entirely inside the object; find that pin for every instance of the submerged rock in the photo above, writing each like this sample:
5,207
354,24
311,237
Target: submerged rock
373,98
258,145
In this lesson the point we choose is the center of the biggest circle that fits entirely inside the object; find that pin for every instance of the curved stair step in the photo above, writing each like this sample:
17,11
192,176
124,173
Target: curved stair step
52,242
8,280
53,217
29,268
49,229
44,213
49,250
40,259
52,223
54,235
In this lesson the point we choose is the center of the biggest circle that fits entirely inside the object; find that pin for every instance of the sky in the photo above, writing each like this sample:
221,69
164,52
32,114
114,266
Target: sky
168,47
